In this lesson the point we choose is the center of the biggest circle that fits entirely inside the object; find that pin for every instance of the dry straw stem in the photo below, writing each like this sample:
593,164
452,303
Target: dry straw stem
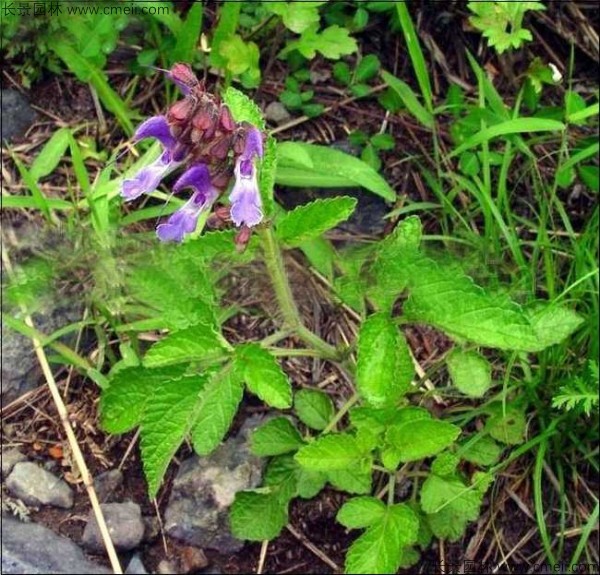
64,419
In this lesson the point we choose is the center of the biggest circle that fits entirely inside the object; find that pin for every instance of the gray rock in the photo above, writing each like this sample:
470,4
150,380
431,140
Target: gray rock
125,525
10,457
203,491
166,568
36,486
31,548
277,112
15,113
106,483
136,567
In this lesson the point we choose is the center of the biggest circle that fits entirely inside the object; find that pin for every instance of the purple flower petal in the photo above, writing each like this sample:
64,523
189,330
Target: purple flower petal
245,197
148,178
156,127
185,219
253,145
197,178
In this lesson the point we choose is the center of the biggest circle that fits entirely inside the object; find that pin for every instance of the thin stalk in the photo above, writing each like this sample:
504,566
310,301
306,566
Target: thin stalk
285,298
338,416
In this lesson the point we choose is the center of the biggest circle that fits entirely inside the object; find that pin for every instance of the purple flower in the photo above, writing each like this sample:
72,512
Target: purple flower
185,219
149,177
245,196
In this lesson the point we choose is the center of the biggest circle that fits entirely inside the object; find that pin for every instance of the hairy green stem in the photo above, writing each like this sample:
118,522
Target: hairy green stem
283,292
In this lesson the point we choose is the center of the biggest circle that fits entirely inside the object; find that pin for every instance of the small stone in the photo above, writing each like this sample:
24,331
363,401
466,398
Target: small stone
277,112
107,483
16,113
151,528
203,491
32,548
36,486
166,568
124,523
135,566
10,457
192,559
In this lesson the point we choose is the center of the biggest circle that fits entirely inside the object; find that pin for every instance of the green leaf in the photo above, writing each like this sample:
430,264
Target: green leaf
256,516
445,464
189,35
314,408
320,254
122,405
266,178
52,152
166,421
384,367
332,452
296,16
450,505
367,68
422,438
87,72
355,480
409,99
471,373
485,451
552,323
197,343
360,512
285,469
332,42
229,15
218,405
311,220
242,108
276,437
342,73
380,548
506,424
263,375
241,57
328,168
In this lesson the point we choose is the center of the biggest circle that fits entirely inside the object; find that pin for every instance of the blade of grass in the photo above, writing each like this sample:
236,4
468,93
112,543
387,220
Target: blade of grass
416,54
50,155
20,202
409,99
41,202
188,36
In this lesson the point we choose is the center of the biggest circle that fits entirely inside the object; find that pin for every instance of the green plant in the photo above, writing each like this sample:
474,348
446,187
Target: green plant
501,22
371,146
295,98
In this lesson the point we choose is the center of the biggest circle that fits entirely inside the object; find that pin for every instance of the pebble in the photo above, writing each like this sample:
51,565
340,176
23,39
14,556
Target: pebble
135,566
125,526
203,491
107,483
192,559
16,114
277,112
166,568
32,548
10,457
36,486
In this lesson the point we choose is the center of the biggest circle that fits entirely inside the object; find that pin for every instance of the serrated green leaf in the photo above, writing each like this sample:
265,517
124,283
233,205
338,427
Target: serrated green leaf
311,220
123,403
485,451
332,42
314,408
242,108
296,16
218,405
330,168
445,464
276,437
450,505
266,178
471,373
360,512
167,419
285,469
332,452
51,154
263,375
552,323
356,480
422,438
258,516
506,424
197,343
384,367
380,548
